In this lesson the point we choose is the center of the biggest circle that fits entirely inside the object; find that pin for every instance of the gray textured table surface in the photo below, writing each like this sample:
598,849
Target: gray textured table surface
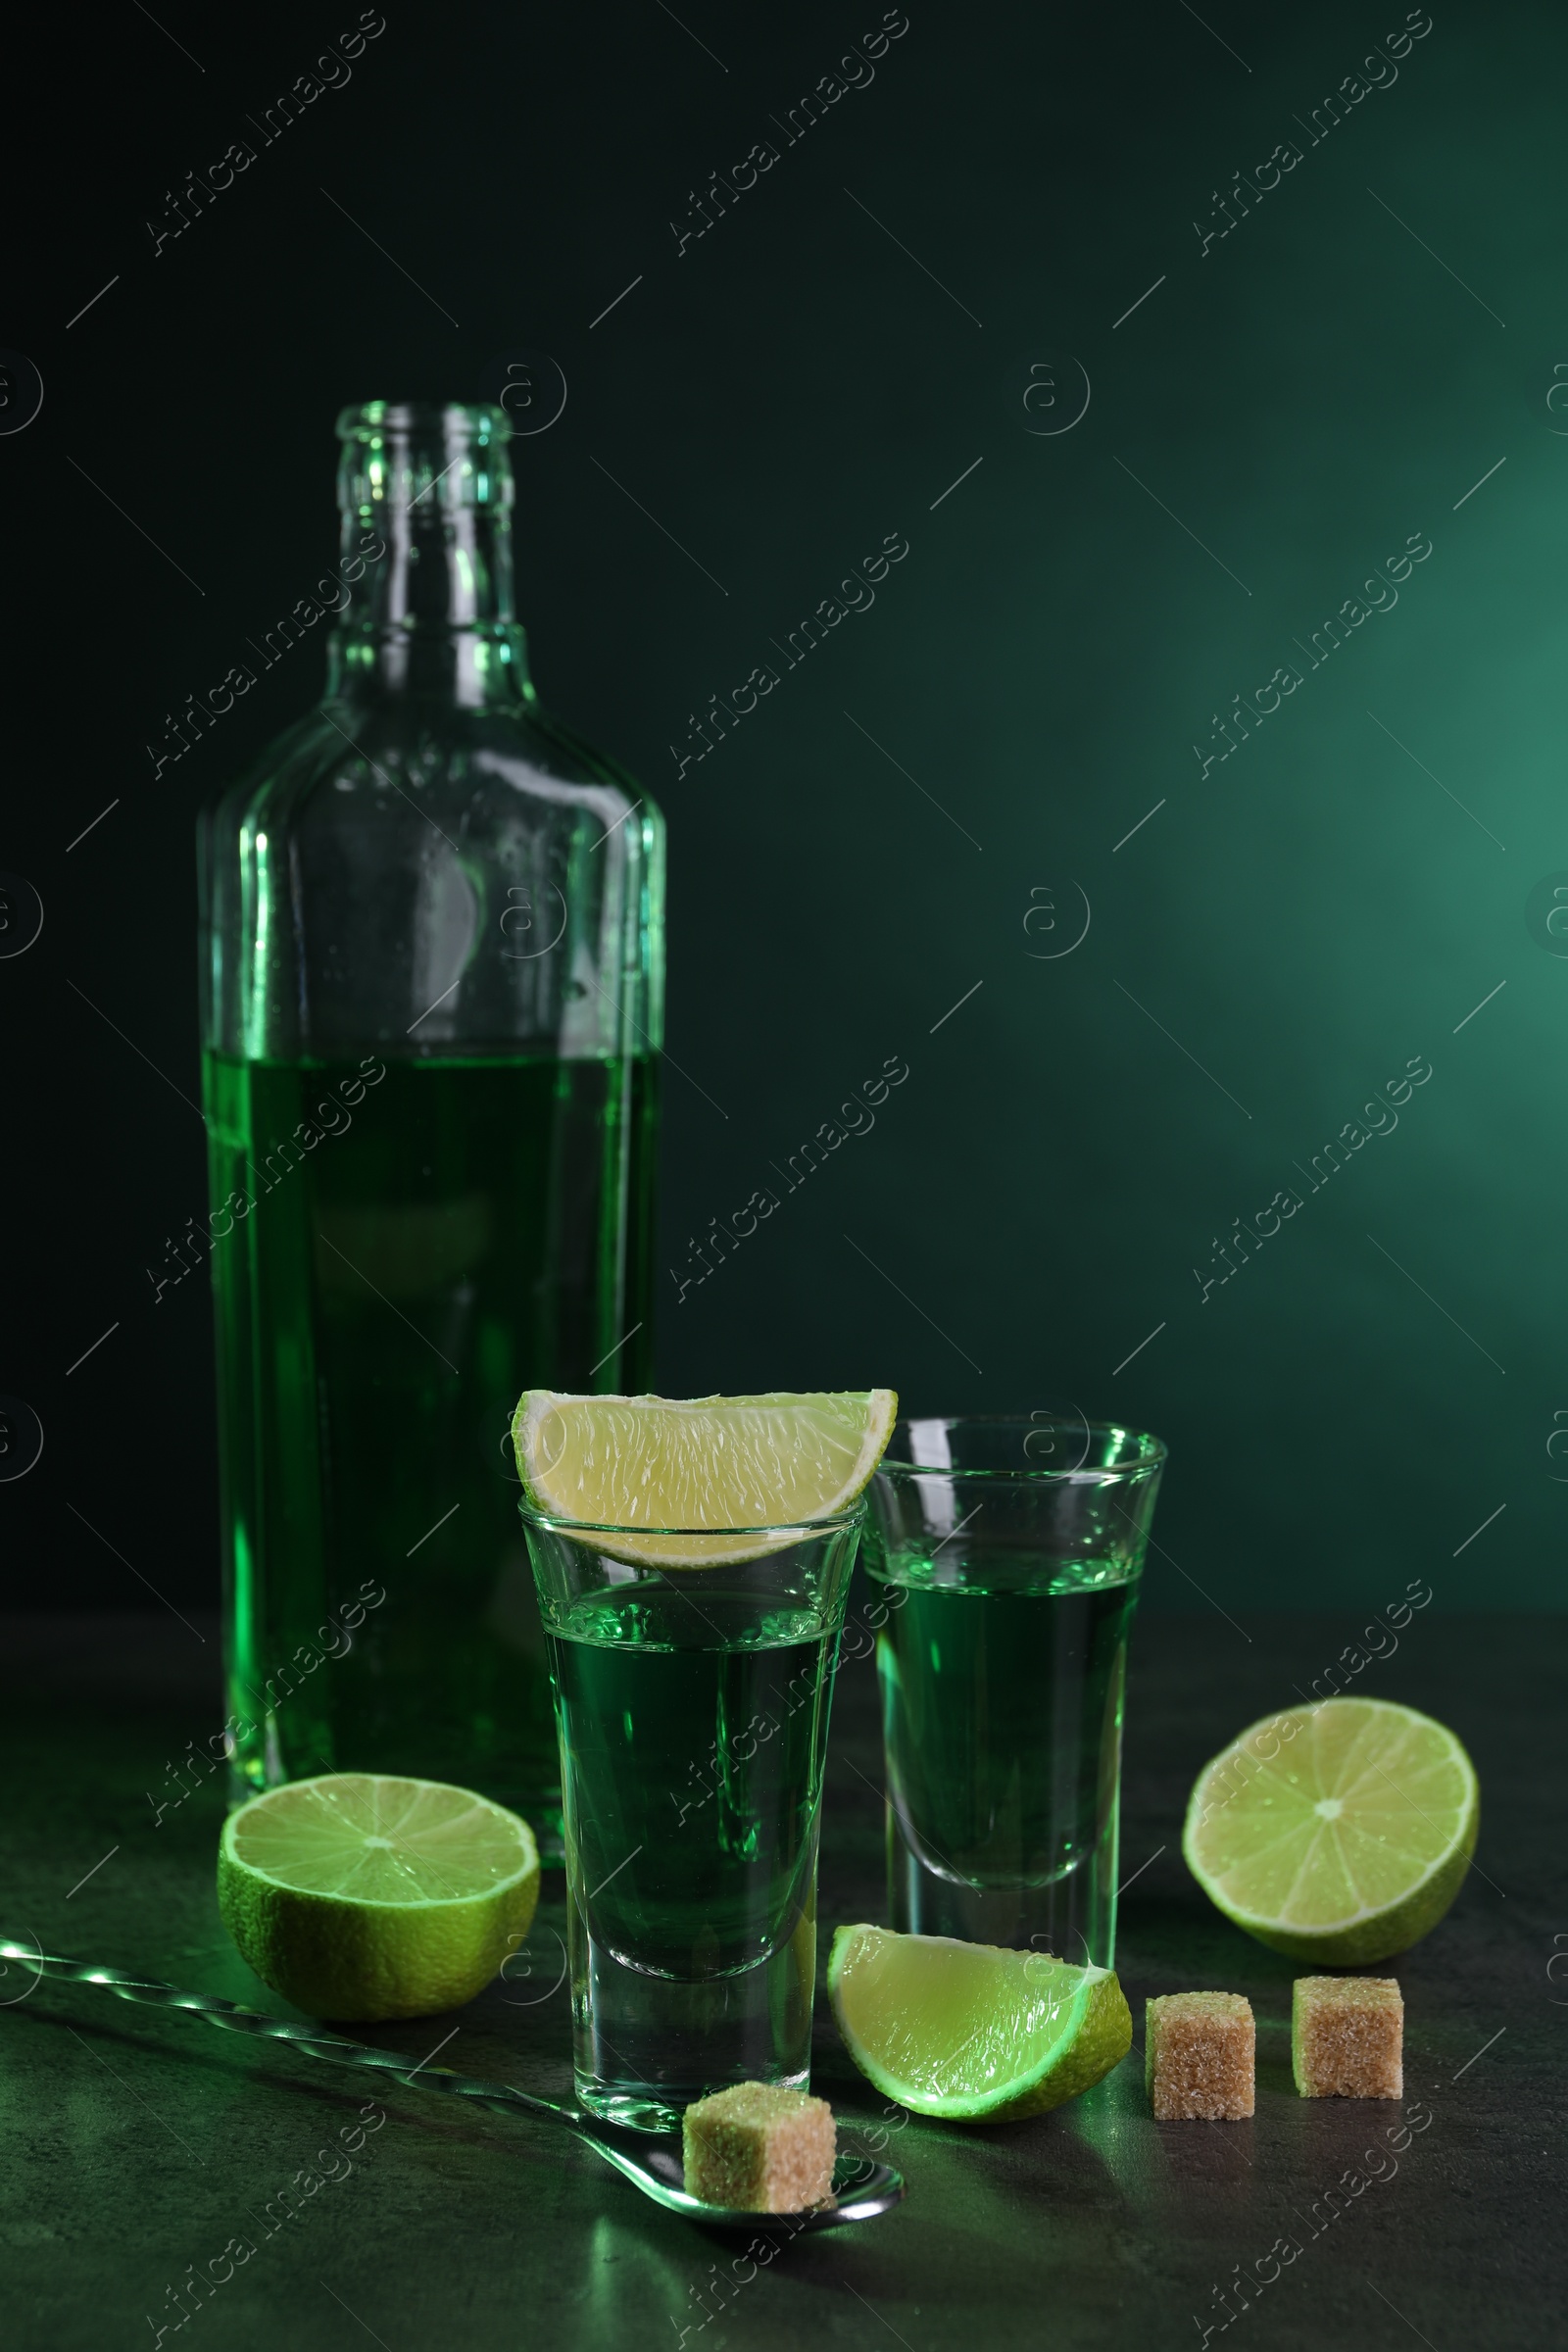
136,2146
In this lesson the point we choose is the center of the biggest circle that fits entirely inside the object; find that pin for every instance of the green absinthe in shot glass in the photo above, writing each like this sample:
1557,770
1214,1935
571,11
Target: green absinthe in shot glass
693,1710
1008,1556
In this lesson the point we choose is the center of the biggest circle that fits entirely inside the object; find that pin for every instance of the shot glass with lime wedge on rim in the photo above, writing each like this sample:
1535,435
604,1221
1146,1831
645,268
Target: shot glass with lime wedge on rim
692,1561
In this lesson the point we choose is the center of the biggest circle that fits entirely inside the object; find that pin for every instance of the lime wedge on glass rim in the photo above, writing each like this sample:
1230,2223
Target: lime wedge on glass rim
361,1895
1338,1833
970,2031
679,1466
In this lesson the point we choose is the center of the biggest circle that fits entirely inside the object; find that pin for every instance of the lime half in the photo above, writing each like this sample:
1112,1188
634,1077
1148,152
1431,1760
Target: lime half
360,1895
727,1463
970,2030
1338,1832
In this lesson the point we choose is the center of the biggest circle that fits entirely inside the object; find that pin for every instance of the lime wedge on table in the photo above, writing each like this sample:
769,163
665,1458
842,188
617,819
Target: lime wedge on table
667,1463
1338,1832
360,1895
970,2030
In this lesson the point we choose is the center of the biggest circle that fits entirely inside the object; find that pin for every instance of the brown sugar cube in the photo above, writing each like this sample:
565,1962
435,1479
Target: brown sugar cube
760,2147
1348,2037
1199,2056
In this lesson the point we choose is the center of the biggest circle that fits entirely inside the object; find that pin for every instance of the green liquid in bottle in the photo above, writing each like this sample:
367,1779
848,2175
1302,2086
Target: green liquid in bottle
455,1233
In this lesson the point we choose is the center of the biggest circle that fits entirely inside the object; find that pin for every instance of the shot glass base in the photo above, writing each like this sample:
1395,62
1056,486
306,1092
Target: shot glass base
658,2107
647,2046
634,2111
1073,1917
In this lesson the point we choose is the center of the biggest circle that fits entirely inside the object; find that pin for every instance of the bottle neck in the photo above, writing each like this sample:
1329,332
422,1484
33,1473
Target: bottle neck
426,563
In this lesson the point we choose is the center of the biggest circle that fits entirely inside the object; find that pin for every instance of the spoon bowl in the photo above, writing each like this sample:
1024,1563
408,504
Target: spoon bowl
861,2189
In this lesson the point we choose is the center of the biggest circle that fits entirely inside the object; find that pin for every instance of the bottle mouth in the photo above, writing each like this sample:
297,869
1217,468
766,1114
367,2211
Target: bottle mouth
446,423
423,460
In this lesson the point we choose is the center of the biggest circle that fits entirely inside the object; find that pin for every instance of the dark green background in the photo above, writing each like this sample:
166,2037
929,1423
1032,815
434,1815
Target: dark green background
790,389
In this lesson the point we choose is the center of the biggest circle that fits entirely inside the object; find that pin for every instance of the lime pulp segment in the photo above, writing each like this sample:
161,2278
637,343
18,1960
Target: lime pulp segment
721,1463
374,1839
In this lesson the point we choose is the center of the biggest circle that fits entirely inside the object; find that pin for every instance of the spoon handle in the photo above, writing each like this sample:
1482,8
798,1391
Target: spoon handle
332,2048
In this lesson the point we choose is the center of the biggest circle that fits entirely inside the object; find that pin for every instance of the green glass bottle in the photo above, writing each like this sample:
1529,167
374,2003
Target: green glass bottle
432,962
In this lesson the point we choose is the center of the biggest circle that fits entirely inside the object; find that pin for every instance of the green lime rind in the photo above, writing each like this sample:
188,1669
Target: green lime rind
362,1960
1232,1784
1043,2060
1103,2039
